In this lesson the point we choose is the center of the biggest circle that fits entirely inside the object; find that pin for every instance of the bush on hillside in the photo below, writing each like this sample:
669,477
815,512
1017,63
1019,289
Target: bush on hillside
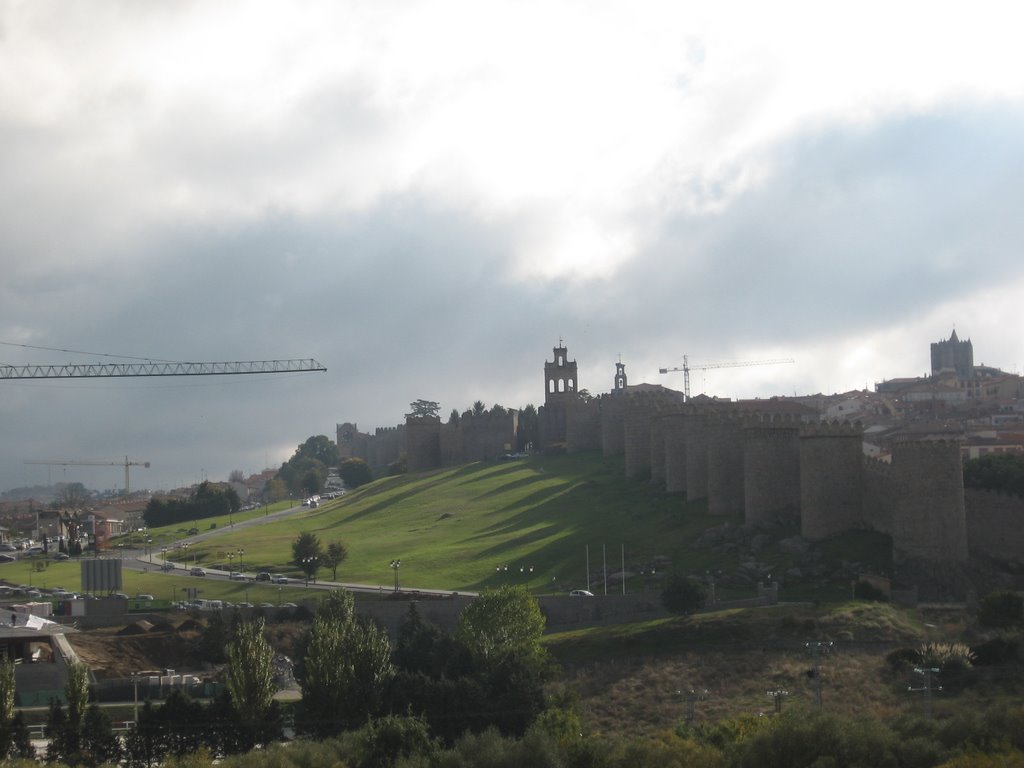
682,594
1002,608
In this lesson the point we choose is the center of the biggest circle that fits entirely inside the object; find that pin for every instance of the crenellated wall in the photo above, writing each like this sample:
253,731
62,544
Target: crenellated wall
673,426
995,525
613,424
725,464
423,435
583,429
696,440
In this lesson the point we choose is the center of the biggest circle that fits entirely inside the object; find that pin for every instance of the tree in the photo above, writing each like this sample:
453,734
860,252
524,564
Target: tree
7,690
307,554
250,678
346,669
306,471
423,408
236,476
100,745
682,594
479,409
501,622
335,556
355,472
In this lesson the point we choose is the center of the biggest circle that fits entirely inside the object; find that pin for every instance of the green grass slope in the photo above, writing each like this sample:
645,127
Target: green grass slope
455,528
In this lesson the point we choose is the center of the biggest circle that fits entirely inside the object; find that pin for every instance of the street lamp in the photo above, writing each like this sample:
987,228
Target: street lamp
395,565
307,566
231,560
240,553
163,553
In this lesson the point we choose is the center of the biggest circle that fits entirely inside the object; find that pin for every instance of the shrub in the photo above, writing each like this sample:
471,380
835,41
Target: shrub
947,656
999,650
1002,608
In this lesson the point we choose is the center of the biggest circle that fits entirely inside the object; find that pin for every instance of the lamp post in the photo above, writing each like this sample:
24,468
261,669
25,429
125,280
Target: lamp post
231,560
149,547
395,565
527,572
241,552
163,553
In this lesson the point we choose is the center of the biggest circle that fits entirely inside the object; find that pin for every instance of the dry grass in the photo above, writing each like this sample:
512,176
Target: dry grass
640,682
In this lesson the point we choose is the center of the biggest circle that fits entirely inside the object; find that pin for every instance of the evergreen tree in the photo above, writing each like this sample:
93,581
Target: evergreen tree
99,743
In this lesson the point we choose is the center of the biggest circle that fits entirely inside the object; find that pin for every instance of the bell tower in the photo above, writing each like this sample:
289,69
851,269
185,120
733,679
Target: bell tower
560,388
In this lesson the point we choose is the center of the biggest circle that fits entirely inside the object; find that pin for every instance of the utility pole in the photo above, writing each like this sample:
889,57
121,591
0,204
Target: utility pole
816,649
692,697
777,696
926,687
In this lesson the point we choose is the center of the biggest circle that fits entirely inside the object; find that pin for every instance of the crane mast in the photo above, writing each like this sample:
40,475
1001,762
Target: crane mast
685,368
126,464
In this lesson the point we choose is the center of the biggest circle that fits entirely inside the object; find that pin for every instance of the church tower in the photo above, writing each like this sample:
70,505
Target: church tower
560,388
620,379
953,355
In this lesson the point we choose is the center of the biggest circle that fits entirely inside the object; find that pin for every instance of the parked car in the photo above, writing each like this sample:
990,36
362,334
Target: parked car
144,597
263,576
581,593
61,556
7,558
197,571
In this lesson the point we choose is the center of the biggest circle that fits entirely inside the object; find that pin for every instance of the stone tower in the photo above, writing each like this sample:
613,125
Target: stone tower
953,355
560,388
620,379
831,479
771,469
929,521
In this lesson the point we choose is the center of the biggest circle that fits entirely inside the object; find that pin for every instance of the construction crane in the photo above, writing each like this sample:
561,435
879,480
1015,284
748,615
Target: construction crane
126,464
124,370
686,369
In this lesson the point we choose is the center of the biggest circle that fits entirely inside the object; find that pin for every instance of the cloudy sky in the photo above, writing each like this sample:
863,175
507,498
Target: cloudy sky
426,196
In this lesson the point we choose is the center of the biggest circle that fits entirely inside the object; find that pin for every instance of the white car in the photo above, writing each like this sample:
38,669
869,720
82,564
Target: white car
581,593
278,579
237,576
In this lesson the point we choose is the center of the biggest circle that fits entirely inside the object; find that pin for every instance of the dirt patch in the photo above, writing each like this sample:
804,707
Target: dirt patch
111,654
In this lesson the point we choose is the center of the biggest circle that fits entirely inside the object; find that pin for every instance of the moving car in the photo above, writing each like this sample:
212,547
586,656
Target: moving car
197,571
263,576
278,579
581,593
237,576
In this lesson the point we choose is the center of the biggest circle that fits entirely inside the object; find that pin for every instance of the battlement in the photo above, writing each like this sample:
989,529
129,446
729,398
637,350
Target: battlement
834,428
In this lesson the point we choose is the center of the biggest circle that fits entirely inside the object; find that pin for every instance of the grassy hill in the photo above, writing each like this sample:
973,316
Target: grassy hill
526,521
455,528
